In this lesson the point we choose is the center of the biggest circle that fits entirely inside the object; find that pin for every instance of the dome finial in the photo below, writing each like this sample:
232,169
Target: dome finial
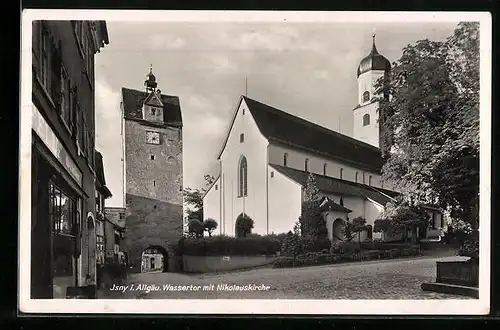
150,82
150,68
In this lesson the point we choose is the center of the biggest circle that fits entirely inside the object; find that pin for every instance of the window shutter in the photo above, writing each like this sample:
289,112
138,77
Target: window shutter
56,64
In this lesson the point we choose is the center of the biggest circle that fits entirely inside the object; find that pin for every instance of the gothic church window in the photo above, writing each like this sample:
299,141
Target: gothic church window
366,96
242,177
366,120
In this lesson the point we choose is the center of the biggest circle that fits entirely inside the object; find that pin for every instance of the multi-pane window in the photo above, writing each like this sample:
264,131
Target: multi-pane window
65,98
242,177
45,52
63,216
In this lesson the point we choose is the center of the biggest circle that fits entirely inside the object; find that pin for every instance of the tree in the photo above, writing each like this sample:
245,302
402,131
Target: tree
193,198
347,231
210,225
430,123
405,217
312,223
244,225
196,228
292,244
358,226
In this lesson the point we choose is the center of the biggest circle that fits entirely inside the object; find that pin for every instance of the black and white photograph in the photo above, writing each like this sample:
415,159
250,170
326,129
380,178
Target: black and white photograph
255,162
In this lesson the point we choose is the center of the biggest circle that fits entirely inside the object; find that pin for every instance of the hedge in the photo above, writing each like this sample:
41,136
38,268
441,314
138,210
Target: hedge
227,246
316,259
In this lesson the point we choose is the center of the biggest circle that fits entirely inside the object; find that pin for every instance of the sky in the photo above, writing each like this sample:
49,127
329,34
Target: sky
306,69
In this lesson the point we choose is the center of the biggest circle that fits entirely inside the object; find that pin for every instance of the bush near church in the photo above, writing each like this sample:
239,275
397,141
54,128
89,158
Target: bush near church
231,246
348,252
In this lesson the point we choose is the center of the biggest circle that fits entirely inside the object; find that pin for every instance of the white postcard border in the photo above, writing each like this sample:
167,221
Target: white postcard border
254,306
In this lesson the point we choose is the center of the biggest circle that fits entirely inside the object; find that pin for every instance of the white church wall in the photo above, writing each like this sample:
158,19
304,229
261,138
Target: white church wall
211,204
284,202
296,159
254,148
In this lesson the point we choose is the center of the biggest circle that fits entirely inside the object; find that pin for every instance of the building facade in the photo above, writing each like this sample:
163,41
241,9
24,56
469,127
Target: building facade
63,237
268,154
152,147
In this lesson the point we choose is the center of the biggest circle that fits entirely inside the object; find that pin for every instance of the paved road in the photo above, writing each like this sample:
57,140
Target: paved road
386,279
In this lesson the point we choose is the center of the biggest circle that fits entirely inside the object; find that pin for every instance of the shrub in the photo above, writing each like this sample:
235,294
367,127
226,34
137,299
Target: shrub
223,245
244,225
470,249
196,228
209,225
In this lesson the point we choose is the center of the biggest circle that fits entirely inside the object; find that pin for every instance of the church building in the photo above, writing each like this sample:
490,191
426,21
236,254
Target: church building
152,160
267,155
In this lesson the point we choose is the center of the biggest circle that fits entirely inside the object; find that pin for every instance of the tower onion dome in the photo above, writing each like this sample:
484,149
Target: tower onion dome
374,61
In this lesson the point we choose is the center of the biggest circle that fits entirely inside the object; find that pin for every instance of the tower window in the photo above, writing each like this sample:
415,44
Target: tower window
242,177
341,202
366,120
370,180
216,187
242,138
324,169
243,111
356,178
366,96
272,174
154,183
152,157
306,165
341,173
285,158
153,111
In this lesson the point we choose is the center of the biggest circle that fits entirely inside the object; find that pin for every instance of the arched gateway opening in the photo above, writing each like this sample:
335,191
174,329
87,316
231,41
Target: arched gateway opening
154,259
337,226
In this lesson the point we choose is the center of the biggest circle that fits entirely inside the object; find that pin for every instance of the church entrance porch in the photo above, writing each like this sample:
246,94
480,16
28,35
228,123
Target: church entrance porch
154,259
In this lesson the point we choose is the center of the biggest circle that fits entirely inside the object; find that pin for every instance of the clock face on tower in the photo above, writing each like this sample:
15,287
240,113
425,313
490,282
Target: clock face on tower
152,137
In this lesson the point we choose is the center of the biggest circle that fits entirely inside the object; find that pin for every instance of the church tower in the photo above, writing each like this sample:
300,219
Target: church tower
152,125
365,121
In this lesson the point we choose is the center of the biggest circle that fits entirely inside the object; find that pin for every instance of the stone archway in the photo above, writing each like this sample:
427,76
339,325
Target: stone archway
154,259
337,227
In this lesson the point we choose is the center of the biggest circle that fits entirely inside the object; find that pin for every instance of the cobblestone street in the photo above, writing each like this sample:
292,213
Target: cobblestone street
388,279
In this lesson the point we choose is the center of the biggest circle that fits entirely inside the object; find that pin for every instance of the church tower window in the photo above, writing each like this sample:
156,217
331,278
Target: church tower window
242,177
341,173
285,158
366,120
366,96
306,165
370,180
242,138
356,178
324,169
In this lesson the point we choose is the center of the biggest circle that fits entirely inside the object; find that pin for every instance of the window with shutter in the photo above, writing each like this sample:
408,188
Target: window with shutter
56,66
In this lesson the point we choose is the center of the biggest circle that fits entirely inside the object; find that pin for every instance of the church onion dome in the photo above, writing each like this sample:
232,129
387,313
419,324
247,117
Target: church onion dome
374,61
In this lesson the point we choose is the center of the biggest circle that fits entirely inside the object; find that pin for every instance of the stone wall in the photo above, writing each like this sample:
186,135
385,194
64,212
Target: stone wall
151,222
208,264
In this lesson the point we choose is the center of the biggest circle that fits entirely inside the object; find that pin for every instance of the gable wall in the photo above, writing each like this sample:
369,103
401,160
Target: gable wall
254,148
